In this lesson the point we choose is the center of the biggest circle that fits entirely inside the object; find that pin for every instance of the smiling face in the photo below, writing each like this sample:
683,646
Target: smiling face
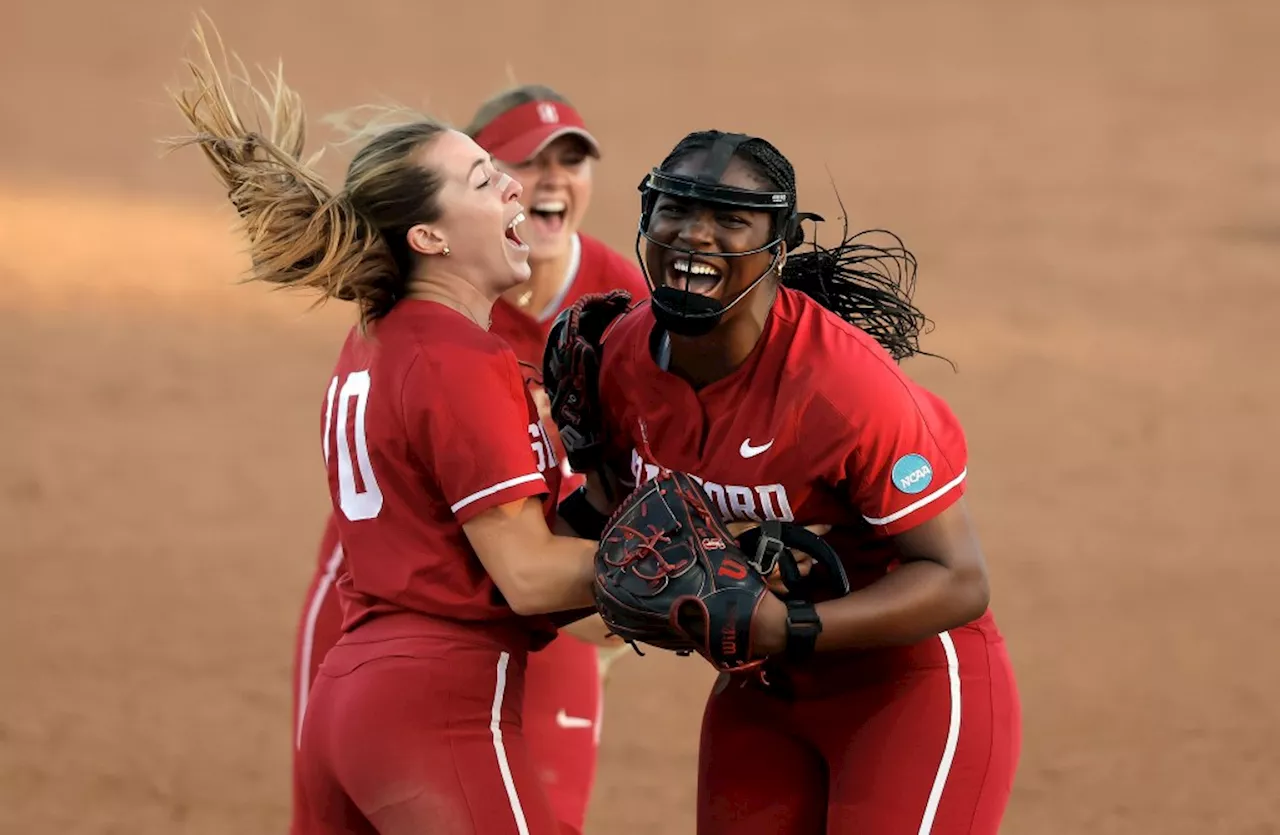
702,228
557,190
479,215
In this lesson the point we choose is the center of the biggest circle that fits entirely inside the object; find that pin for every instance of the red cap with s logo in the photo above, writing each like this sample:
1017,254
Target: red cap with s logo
523,131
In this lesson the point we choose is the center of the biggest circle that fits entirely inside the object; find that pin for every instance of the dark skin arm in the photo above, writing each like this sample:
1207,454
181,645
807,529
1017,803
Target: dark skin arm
940,585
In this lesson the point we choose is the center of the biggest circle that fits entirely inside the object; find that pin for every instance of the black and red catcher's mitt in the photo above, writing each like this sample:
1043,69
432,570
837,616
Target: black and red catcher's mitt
670,574
571,374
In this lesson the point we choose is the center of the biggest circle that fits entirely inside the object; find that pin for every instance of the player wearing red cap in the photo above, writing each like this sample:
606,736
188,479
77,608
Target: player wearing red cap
537,136
443,479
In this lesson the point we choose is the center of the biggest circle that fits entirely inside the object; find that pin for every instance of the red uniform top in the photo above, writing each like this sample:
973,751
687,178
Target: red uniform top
818,426
593,268
427,423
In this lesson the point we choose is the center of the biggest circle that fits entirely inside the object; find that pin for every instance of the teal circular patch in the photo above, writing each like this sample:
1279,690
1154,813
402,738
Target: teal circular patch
912,474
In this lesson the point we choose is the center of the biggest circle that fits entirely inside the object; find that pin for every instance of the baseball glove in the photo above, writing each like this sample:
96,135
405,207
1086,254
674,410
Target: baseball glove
571,374
670,574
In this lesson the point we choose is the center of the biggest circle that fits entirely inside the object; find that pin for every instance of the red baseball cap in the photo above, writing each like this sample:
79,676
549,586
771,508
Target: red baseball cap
523,131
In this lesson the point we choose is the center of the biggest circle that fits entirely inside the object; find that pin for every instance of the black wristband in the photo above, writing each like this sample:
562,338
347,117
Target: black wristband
803,628
577,512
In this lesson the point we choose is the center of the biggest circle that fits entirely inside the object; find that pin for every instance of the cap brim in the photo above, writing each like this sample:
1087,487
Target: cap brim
531,144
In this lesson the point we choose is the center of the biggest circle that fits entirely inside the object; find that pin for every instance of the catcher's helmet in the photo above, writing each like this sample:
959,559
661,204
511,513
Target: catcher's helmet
691,314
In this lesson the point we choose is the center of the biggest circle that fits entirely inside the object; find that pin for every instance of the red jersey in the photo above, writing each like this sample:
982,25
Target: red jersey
593,268
818,426
427,423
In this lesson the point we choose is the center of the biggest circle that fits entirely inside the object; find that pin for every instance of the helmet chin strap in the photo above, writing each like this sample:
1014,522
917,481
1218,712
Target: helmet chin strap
689,314
666,318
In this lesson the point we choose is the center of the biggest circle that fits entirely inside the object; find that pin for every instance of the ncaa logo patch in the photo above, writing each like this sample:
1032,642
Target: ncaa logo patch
912,474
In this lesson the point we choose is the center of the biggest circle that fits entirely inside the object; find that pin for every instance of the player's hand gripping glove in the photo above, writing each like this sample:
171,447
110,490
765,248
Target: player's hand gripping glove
771,545
669,574
571,374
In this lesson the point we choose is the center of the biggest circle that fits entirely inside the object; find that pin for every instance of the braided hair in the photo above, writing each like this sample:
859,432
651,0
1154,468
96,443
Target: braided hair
868,285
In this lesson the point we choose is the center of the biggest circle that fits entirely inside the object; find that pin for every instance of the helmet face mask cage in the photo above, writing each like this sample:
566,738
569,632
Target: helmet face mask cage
684,312
692,190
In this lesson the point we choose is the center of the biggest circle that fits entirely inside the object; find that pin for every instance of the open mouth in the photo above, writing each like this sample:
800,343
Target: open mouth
693,276
549,215
513,238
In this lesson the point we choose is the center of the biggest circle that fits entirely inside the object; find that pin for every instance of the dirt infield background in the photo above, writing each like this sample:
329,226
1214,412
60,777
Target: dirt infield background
1092,189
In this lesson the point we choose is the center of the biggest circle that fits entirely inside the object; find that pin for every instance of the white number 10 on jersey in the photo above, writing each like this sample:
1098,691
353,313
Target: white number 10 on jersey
355,504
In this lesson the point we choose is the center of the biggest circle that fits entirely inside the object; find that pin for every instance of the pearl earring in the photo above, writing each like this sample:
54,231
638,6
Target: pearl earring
446,250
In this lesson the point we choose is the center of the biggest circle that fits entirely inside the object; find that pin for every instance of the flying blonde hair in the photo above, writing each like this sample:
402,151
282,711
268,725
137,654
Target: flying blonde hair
349,244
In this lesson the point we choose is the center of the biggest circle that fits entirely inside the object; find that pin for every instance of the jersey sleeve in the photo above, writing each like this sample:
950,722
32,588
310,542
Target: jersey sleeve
909,457
474,432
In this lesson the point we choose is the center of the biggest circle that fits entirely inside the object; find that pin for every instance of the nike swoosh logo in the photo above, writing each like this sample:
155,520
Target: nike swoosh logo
564,720
749,451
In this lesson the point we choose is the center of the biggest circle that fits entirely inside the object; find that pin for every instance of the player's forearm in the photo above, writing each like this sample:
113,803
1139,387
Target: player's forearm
553,577
563,527
593,630
914,602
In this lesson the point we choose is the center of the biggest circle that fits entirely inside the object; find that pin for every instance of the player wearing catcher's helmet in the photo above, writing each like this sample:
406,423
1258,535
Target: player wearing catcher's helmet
760,384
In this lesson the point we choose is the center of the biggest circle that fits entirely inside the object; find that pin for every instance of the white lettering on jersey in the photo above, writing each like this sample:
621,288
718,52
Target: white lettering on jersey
542,448
736,502
356,504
